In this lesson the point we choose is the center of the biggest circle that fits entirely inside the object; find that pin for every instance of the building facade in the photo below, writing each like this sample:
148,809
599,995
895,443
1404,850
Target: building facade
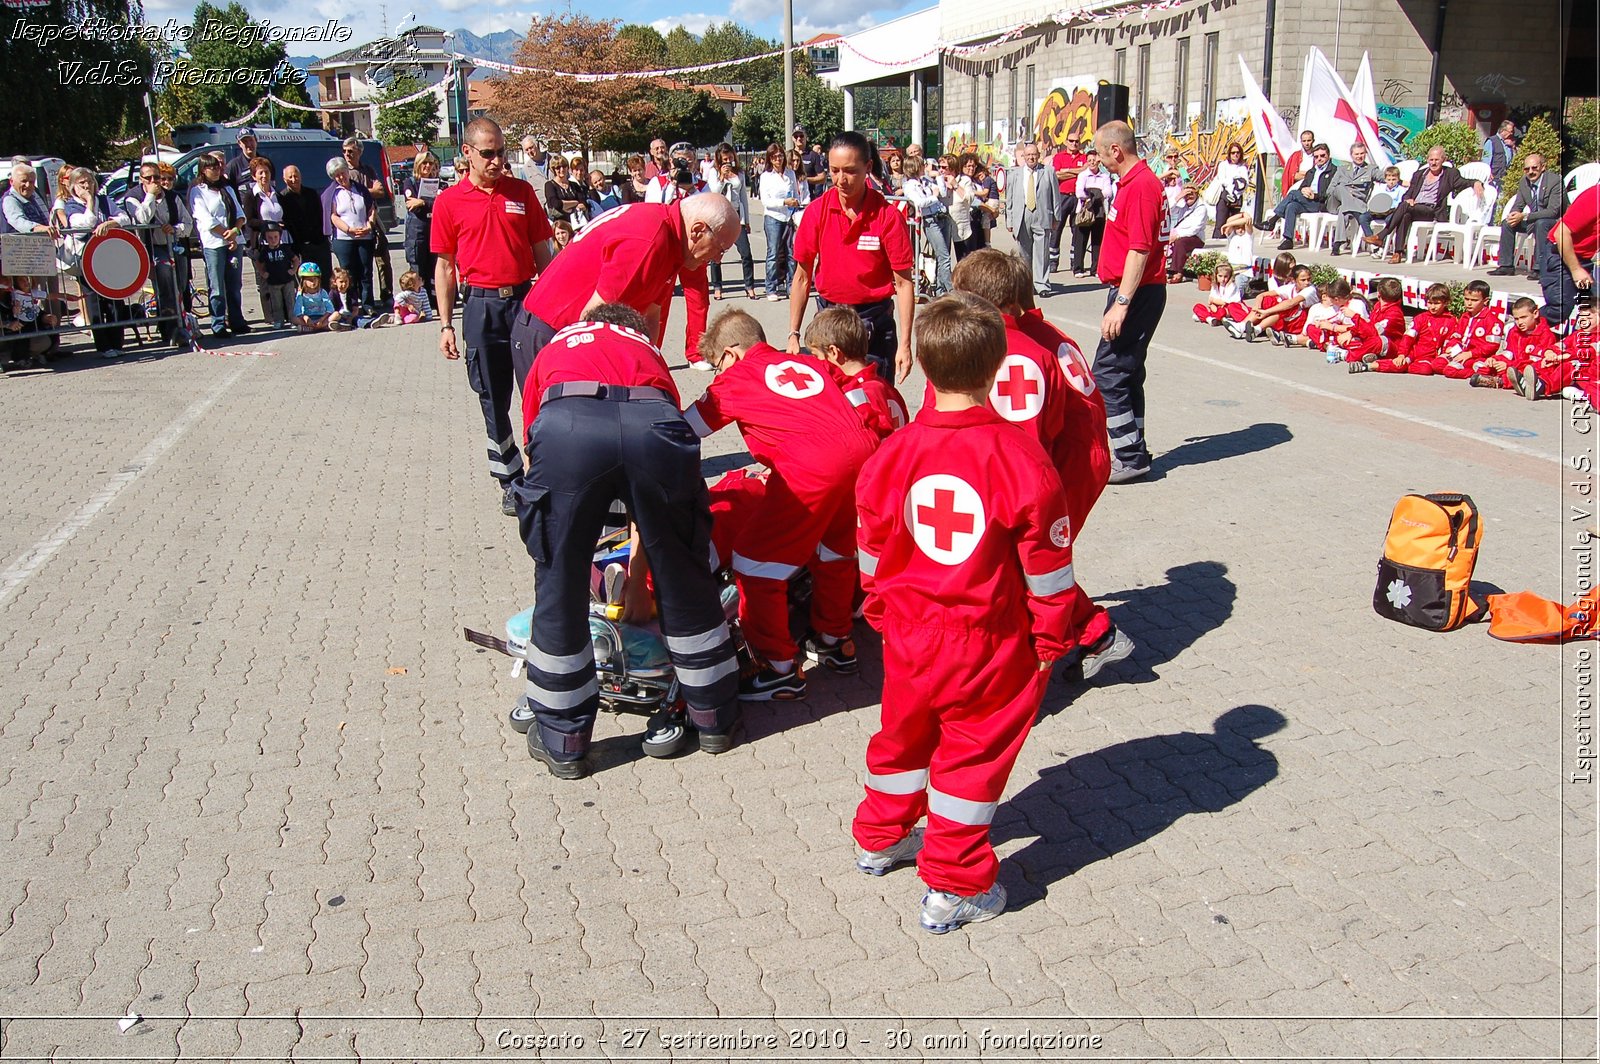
350,80
1180,61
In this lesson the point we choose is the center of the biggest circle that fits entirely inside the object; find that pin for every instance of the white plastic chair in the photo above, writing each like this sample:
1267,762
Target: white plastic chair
1319,227
1421,234
1408,169
1582,179
1478,171
1459,230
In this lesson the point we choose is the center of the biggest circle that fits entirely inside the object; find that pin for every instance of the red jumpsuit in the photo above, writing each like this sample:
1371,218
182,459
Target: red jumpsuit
797,423
1295,320
1376,335
966,558
1422,343
879,405
1525,349
1482,336
1576,369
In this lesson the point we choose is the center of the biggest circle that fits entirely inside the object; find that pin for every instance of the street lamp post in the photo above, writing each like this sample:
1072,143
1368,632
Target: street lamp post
788,71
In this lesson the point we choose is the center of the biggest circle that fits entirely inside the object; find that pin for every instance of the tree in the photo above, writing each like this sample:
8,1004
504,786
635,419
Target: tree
218,45
59,99
1542,138
407,123
576,113
817,107
648,44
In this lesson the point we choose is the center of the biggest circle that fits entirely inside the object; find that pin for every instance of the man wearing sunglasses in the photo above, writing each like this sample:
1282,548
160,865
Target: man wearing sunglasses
1309,197
1068,163
491,230
1538,205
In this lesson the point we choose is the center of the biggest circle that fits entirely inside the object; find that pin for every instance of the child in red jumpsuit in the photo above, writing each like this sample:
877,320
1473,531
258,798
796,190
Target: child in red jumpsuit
1526,343
1483,334
1046,387
966,558
1567,371
839,336
1420,350
797,423
1371,337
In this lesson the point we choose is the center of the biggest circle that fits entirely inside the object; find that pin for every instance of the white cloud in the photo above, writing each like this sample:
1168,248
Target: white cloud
805,29
694,22
836,16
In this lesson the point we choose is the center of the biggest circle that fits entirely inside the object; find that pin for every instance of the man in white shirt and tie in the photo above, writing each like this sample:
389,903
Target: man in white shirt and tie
1032,196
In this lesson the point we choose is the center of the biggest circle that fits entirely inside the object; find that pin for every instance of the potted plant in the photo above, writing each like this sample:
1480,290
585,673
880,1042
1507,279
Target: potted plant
1204,265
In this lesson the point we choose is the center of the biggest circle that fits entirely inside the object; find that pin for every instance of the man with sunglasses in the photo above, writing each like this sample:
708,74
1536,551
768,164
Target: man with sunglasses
491,230
1537,206
1309,197
1068,163
162,221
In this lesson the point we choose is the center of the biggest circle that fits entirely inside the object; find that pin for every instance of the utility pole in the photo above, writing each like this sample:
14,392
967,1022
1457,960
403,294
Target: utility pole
788,71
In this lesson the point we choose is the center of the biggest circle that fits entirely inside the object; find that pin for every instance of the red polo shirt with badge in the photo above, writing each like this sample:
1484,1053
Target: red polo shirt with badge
595,351
1582,220
631,254
1137,221
852,262
1069,160
491,231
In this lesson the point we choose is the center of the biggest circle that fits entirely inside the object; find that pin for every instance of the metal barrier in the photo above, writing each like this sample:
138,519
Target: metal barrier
149,294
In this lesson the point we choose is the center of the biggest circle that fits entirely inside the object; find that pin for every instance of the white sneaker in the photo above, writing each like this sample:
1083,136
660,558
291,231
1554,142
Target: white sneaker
1236,329
1574,393
1112,647
876,863
78,321
111,354
773,297
943,912
702,366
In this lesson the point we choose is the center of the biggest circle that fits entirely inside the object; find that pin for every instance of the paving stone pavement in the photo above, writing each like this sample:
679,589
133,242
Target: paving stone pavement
256,789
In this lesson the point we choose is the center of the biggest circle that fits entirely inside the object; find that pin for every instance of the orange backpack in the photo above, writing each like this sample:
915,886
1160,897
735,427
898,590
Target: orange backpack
1426,568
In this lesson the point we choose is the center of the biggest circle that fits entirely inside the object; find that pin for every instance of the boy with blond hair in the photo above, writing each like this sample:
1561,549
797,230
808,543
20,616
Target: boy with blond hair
966,558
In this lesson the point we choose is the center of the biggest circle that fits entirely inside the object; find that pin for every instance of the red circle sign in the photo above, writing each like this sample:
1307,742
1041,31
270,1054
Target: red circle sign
116,264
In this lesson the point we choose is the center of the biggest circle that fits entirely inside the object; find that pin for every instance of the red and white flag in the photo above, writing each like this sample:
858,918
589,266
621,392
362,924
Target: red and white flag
1366,104
1270,129
1328,109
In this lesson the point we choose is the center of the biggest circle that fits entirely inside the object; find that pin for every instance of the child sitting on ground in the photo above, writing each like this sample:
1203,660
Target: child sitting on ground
1483,334
1568,370
1526,344
839,335
1224,290
966,559
797,422
313,310
1334,316
411,303
278,264
1280,313
1369,336
1420,349
346,310
1280,284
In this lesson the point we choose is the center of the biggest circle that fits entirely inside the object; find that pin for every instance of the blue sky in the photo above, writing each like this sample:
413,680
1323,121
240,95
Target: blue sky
488,16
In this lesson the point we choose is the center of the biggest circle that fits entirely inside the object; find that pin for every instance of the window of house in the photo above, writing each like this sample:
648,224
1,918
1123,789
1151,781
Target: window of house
1180,96
1142,91
1208,80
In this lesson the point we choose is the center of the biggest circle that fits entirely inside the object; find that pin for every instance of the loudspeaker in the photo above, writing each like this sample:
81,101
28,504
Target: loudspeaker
1111,104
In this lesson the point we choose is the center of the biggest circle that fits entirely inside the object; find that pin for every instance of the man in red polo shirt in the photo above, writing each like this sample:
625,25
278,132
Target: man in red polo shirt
633,255
1067,163
1132,263
1572,268
492,230
858,249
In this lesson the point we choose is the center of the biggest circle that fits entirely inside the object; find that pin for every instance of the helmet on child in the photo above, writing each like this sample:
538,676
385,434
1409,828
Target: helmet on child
310,269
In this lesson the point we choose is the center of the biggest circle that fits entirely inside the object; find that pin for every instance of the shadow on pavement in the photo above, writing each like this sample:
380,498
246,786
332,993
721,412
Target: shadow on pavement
1099,804
1198,450
1163,621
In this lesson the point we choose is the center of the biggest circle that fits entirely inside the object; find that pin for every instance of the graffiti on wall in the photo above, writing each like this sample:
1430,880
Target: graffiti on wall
1396,124
992,152
1199,151
1069,108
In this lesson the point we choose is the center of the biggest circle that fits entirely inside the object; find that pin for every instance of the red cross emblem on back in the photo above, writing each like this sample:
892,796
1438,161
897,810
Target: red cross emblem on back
946,518
793,379
1018,390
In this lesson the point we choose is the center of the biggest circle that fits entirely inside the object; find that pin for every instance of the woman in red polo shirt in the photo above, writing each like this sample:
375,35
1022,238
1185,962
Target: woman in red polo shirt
859,251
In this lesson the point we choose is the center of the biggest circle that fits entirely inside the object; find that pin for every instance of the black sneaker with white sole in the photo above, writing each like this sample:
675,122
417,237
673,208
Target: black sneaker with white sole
1112,647
839,657
760,682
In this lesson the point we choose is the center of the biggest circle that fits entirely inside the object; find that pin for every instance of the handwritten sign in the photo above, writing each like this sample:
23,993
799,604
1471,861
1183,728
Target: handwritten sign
31,254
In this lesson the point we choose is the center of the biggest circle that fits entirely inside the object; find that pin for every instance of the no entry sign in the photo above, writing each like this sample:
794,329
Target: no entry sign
116,264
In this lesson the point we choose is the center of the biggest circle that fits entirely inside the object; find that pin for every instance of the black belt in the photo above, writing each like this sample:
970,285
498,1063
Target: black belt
510,291
859,307
616,393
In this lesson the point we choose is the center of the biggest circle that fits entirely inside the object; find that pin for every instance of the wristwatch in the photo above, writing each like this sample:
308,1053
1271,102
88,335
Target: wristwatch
447,325
1123,300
